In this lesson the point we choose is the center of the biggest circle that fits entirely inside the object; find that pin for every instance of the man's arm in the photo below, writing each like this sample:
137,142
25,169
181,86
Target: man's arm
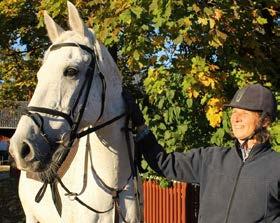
174,166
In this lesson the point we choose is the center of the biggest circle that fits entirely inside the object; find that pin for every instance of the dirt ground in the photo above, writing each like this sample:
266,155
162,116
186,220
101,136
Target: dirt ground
10,207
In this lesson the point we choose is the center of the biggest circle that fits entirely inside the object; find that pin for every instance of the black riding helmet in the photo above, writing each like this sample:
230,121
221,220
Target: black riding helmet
255,97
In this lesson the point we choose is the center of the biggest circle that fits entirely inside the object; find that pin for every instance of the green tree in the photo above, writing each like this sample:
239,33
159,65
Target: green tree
192,56
19,48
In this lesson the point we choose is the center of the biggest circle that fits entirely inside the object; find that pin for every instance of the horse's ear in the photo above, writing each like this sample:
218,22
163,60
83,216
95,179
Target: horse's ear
54,30
77,24
75,21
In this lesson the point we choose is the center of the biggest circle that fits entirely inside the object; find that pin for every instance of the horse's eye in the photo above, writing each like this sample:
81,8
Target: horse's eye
70,72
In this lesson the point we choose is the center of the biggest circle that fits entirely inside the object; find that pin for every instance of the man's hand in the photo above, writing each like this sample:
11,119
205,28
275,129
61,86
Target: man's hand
133,109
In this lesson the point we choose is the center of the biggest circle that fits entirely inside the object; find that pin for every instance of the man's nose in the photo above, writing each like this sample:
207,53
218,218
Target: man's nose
236,118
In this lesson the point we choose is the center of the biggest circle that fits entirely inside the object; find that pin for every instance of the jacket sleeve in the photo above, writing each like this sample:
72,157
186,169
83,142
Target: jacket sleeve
173,166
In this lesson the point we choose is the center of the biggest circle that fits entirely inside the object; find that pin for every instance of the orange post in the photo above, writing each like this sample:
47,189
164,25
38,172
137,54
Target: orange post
164,205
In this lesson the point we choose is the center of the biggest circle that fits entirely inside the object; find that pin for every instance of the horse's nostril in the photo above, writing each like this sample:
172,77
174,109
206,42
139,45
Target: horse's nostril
25,150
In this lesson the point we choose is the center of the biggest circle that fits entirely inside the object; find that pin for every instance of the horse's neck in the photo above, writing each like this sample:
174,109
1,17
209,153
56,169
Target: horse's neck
108,146
106,152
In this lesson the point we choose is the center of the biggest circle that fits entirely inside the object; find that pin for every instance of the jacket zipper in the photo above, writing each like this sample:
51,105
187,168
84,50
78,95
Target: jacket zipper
233,192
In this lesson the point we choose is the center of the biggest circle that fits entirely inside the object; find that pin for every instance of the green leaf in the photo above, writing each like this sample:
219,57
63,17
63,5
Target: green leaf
161,103
166,117
177,111
189,102
164,183
162,126
179,39
182,128
167,135
136,55
217,138
137,10
208,11
195,8
125,16
145,27
168,9
153,6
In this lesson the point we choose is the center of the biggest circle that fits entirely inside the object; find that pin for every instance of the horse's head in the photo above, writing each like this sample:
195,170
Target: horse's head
68,95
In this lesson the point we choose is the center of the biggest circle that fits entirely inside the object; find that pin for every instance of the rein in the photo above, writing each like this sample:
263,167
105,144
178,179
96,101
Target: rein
74,121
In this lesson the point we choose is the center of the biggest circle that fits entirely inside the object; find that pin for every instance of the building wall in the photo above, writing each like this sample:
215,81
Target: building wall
5,135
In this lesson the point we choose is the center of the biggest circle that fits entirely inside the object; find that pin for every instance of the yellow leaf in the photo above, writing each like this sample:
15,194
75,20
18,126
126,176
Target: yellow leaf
150,72
188,40
214,112
187,22
136,55
218,14
206,80
192,93
215,42
255,13
115,34
214,102
203,21
195,8
130,62
221,35
213,67
272,12
212,23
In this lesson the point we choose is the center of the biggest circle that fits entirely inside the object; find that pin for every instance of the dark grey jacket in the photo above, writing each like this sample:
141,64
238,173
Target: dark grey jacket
231,191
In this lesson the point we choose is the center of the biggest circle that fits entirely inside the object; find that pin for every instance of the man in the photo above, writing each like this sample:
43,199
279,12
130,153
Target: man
238,185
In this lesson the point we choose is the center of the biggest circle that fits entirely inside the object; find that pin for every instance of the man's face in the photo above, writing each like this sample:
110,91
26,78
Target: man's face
243,122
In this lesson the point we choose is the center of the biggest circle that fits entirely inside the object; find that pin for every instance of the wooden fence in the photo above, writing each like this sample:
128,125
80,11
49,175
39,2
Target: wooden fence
176,204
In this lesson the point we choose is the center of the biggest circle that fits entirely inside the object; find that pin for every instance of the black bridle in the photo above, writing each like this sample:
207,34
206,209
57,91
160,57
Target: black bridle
72,120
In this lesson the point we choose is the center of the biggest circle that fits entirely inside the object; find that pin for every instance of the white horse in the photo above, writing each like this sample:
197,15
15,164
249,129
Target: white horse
97,184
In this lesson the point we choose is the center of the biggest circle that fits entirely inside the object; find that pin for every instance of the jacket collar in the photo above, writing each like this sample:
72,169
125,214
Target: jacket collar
256,151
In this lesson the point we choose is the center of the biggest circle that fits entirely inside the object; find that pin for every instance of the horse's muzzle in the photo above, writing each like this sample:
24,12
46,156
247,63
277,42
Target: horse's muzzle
30,155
